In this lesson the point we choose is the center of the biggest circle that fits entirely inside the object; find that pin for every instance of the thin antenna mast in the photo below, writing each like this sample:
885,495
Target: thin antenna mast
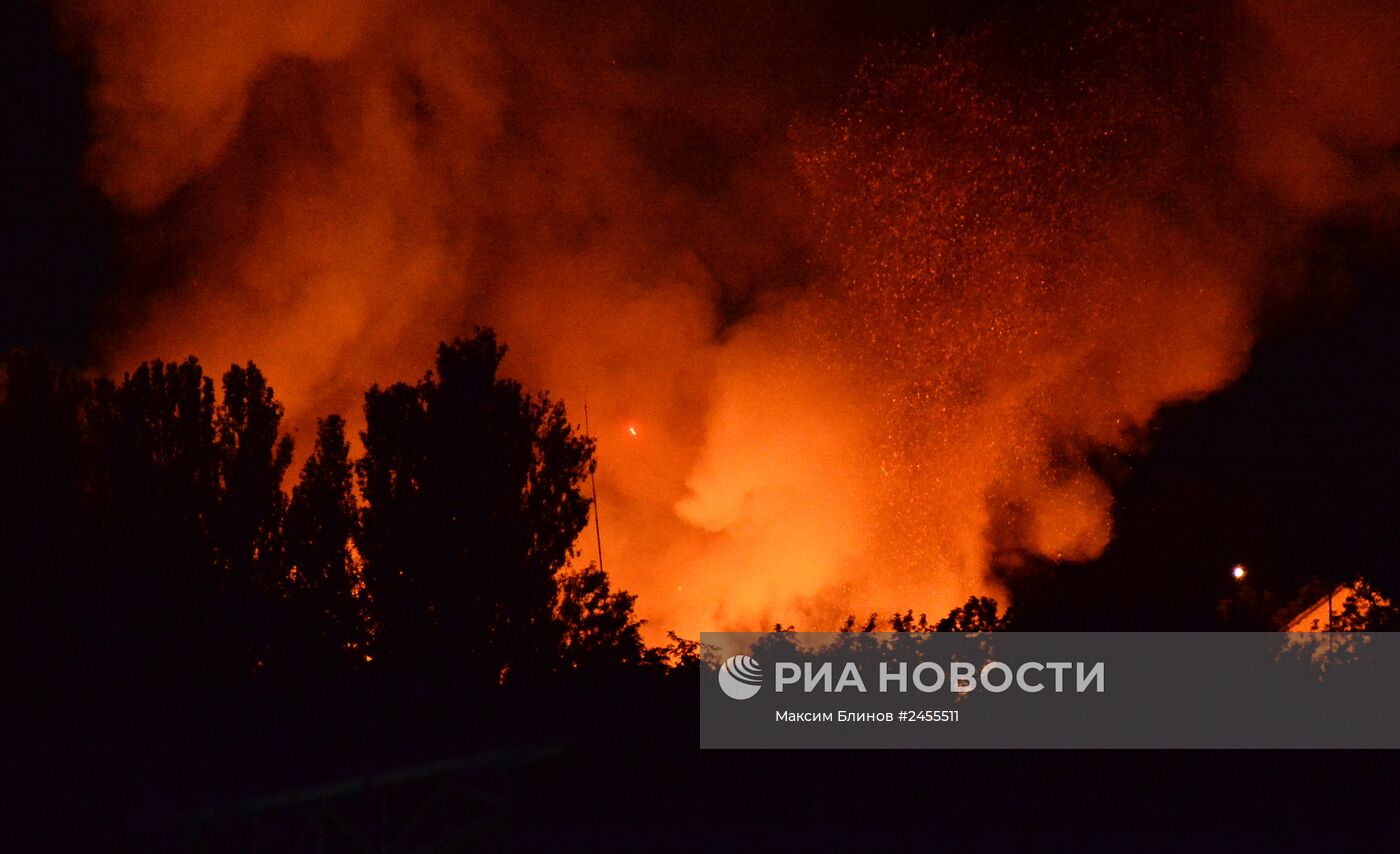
593,480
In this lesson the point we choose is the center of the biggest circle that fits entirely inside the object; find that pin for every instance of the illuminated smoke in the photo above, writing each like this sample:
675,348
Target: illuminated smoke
840,351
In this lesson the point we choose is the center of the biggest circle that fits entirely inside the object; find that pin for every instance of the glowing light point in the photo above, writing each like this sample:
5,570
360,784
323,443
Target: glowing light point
632,428
1238,571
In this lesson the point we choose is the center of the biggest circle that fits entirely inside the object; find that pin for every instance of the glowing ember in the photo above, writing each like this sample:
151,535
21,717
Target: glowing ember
1238,571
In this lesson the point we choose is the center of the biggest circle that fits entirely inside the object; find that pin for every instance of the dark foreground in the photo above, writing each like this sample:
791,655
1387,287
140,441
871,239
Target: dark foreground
611,763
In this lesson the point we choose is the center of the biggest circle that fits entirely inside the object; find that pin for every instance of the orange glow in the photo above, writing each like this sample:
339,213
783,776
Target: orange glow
877,337
1238,572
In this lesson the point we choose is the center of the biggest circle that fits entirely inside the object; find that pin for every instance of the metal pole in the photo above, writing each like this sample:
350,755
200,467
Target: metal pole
593,480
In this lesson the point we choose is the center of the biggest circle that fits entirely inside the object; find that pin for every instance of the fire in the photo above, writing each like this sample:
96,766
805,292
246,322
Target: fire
876,337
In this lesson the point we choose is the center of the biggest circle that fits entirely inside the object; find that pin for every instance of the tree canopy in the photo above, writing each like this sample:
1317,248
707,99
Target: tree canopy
153,513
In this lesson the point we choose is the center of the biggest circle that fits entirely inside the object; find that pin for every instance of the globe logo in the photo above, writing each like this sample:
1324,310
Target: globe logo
740,677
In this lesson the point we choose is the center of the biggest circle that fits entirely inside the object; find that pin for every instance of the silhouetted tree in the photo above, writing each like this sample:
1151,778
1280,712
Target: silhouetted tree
850,624
253,459
906,623
185,499
678,655
597,626
322,522
1365,610
978,614
473,502
156,499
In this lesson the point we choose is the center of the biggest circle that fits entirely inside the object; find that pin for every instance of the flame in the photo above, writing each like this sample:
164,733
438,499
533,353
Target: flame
876,337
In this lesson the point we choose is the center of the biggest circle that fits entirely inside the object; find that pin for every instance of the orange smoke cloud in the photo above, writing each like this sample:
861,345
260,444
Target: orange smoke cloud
840,353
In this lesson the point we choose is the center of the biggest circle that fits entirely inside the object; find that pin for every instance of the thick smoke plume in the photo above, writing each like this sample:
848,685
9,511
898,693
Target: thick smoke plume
851,314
